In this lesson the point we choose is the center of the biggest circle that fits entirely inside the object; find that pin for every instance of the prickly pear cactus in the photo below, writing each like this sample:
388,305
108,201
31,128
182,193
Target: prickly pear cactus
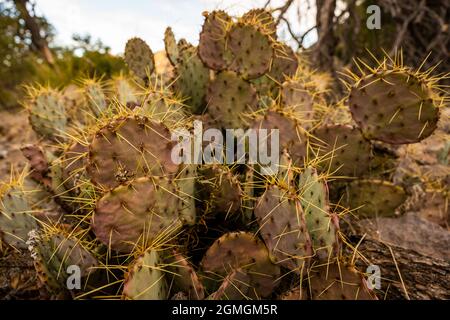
16,216
282,226
47,113
145,279
127,148
139,58
136,214
374,198
55,254
344,151
395,106
184,276
242,250
322,224
230,98
338,282
212,48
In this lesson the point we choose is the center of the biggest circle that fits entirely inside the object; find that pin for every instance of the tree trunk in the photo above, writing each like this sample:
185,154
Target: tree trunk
38,41
324,48
406,274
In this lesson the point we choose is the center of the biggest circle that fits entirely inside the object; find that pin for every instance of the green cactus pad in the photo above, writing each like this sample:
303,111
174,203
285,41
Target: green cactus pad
95,96
185,181
283,228
229,99
322,225
127,94
242,250
184,277
394,107
16,218
127,148
48,115
171,46
54,254
139,58
136,214
212,48
374,198
145,280
344,151
235,286
252,51
338,282
192,79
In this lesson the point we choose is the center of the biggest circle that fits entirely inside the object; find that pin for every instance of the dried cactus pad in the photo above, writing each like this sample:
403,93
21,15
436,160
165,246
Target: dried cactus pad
137,213
394,107
212,48
322,225
184,277
375,198
139,58
242,250
338,282
127,148
229,98
252,51
146,280
283,228
344,151
16,218
48,115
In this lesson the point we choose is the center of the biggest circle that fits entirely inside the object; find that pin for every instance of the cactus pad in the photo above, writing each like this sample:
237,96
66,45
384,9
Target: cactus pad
235,286
145,280
344,150
137,213
16,218
184,277
252,51
171,46
337,282
283,228
394,107
139,58
212,47
192,79
48,115
374,198
322,225
242,250
127,148
229,98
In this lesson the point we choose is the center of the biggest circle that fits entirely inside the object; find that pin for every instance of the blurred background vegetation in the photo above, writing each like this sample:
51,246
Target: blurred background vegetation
28,54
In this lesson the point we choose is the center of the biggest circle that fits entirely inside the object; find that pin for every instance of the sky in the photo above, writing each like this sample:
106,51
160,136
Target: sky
115,21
